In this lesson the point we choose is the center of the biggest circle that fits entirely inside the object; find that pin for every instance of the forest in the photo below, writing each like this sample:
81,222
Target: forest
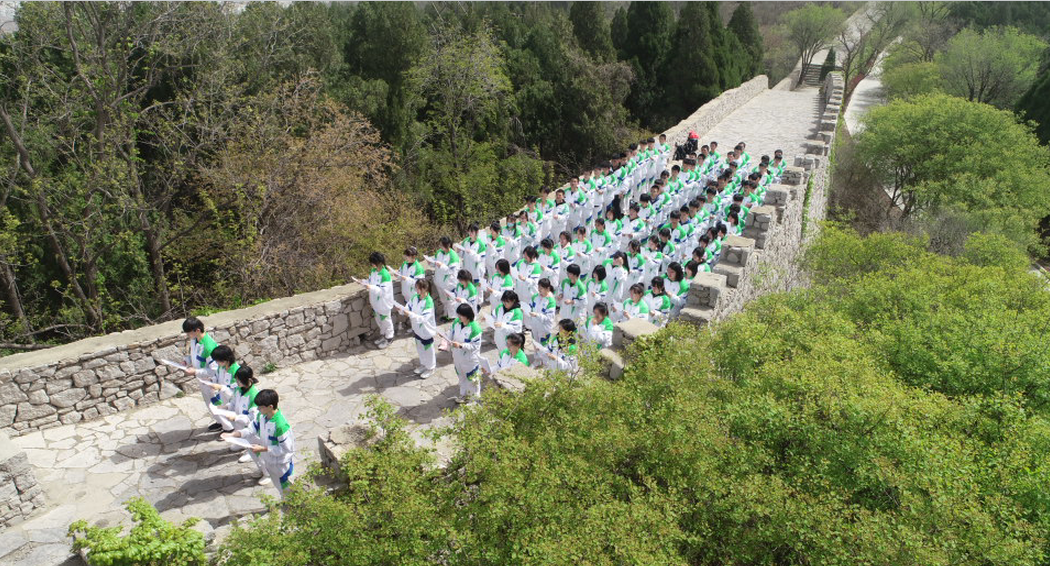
171,158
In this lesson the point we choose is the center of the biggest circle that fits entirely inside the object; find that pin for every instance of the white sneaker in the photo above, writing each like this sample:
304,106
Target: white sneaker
426,374
419,370
459,400
265,481
382,344
245,458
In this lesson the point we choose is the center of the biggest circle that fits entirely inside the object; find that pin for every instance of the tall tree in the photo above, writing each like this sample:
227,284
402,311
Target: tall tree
995,66
689,76
1035,104
744,26
619,28
810,28
646,47
591,28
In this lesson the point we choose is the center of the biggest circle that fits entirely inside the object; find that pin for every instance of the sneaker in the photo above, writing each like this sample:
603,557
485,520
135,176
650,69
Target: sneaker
426,374
382,344
245,458
265,481
459,400
419,370
214,427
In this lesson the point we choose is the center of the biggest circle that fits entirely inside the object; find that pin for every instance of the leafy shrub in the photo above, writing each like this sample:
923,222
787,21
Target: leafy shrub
152,541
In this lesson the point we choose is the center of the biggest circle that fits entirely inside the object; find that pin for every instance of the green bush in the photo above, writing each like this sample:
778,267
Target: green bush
152,541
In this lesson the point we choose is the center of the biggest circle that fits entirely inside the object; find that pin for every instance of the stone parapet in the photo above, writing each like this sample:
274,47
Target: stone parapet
19,492
102,375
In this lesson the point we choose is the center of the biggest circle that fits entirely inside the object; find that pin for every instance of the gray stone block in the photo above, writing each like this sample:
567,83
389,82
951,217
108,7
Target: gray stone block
630,330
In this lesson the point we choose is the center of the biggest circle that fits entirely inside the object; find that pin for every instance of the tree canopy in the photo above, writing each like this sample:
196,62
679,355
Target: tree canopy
894,413
811,27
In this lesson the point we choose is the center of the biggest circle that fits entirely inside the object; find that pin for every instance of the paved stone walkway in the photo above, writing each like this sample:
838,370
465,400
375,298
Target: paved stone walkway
775,119
163,452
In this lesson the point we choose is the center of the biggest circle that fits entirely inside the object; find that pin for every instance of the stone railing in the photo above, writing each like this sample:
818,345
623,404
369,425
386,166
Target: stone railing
19,492
105,374
709,115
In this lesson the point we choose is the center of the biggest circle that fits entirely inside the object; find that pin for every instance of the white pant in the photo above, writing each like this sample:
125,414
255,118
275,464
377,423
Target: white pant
275,471
427,355
468,387
386,325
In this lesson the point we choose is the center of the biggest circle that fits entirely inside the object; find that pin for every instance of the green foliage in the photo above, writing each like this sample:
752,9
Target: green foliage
911,79
1029,17
152,541
1035,104
995,66
743,25
811,27
591,28
891,414
935,151
828,65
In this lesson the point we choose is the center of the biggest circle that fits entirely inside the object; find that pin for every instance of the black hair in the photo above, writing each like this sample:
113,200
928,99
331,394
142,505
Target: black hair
701,250
665,233
676,269
634,245
473,227
267,398
547,243
530,251
512,297
245,375
567,324
638,288
676,215
693,267
599,272
495,226
223,353
464,275
581,230
545,283
411,251
192,323
657,283
573,270
516,339
634,206
602,308
645,197
565,234
465,310
632,147
445,241
599,220
623,256
424,283
503,266
734,216
377,258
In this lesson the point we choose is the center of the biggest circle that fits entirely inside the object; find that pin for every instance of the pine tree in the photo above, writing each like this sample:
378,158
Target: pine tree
689,76
646,47
1035,104
591,29
618,28
744,26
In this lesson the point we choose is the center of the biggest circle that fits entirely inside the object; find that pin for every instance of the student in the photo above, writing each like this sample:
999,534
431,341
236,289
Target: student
572,294
474,251
497,248
635,306
583,249
597,289
410,272
199,361
565,249
465,340
617,277
242,403
542,310
507,319
659,302
550,260
218,389
420,312
465,293
601,240
599,327
446,267
560,213
677,286
512,234
562,349
655,259
528,272
636,262
272,445
381,296
500,282
510,356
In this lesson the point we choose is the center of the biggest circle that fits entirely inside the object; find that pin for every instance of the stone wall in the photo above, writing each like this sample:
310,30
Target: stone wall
19,492
101,375
710,114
